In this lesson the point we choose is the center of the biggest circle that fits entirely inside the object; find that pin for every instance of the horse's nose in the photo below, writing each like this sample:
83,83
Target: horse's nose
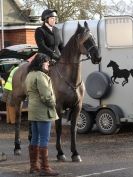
97,60
100,58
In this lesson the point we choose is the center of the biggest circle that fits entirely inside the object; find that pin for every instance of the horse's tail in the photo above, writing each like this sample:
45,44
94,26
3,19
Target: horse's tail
131,72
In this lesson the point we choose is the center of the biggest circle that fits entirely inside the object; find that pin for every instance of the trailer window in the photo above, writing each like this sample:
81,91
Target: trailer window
119,32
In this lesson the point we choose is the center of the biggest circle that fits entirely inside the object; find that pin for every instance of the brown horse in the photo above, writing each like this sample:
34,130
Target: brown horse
67,83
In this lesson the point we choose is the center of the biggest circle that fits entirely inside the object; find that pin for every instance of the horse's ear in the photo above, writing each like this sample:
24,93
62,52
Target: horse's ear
78,28
86,25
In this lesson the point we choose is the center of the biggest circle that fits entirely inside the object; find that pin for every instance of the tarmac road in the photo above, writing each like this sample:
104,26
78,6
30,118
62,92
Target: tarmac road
103,156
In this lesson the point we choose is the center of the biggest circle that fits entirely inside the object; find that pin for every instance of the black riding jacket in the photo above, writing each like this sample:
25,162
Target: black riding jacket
49,42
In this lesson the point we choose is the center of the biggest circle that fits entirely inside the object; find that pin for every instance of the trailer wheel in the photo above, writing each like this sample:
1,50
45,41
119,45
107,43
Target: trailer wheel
85,122
106,122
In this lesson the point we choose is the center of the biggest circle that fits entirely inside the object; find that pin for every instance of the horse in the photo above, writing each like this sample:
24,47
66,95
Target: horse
119,73
67,83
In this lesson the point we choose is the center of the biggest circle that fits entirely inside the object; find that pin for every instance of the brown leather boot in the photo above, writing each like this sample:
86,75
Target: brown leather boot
45,169
34,158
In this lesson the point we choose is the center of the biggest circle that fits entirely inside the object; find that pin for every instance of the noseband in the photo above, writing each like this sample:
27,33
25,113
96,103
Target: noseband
88,55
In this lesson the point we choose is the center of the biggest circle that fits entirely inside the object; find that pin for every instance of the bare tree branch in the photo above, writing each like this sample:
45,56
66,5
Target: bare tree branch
70,9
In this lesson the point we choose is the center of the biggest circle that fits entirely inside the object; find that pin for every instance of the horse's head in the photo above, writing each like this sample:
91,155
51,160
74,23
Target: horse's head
87,43
112,64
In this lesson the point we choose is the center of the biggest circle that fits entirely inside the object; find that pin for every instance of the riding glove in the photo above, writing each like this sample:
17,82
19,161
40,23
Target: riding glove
55,56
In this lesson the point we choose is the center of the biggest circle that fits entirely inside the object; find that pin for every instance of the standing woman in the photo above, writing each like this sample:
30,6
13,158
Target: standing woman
41,111
47,36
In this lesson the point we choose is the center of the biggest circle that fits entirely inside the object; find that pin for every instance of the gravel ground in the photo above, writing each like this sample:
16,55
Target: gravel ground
100,153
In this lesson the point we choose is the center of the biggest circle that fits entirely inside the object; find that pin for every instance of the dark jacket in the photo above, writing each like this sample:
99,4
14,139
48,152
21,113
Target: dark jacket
49,42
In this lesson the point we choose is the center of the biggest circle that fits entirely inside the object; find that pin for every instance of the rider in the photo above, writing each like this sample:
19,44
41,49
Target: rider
47,36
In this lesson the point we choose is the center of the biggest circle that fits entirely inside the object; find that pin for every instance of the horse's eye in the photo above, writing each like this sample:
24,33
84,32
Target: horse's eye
86,31
86,44
92,37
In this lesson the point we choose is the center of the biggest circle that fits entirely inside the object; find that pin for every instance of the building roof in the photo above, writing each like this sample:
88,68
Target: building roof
13,14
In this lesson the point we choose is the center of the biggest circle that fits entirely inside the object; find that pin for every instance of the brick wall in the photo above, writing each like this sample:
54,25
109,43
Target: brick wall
19,36
30,36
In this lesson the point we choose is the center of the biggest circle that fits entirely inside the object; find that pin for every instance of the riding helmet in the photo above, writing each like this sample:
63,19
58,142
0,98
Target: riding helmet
49,13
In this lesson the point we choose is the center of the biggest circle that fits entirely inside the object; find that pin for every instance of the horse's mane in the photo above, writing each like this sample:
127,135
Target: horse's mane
71,46
114,63
67,52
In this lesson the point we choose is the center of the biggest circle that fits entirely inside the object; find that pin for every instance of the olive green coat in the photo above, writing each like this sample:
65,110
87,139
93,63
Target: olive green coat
41,105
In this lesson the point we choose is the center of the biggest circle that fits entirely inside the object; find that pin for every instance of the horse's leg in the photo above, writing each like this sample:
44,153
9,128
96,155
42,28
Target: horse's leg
74,116
60,155
112,79
125,81
17,150
115,80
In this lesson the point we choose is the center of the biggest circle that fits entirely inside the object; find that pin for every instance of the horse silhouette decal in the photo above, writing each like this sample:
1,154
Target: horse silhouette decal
119,73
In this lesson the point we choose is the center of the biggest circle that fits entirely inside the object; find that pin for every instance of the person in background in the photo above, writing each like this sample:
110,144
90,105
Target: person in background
7,92
7,98
47,36
41,112
3,156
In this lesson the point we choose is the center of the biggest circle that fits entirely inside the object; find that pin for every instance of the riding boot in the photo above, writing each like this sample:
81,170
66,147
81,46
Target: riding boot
45,169
34,158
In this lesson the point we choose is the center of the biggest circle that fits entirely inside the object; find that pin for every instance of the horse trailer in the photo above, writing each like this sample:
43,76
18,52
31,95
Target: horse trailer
108,100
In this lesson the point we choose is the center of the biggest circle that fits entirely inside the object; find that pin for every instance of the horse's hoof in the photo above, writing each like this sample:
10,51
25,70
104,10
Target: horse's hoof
61,158
76,158
17,152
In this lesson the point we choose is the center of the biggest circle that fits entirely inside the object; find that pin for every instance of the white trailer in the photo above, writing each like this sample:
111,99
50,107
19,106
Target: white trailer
108,99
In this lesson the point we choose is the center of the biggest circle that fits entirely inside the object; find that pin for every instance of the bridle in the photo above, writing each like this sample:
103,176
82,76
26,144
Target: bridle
74,88
88,58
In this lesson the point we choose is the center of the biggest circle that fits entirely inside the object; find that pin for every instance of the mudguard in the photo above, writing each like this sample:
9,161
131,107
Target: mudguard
115,109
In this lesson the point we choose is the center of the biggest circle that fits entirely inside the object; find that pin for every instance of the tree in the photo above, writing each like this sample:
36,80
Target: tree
91,9
70,9
120,7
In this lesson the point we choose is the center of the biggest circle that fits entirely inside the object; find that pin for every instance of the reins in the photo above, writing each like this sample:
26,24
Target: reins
88,58
68,63
68,83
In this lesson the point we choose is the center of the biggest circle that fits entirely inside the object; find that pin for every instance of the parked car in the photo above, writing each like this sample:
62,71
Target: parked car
21,51
10,57
13,55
